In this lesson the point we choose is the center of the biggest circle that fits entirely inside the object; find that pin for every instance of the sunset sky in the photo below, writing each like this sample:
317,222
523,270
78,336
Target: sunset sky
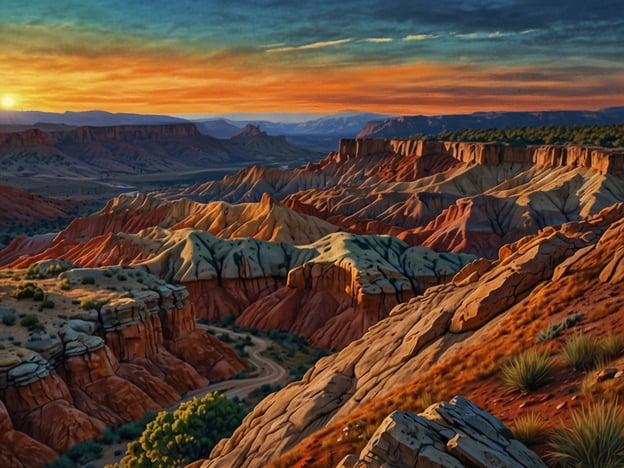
211,57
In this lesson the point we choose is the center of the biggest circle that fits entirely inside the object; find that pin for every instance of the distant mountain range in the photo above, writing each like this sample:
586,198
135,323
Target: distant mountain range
322,133
88,118
401,127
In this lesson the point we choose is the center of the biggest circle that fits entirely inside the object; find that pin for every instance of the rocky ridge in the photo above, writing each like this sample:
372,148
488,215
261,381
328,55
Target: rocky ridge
267,220
128,150
329,290
450,196
89,368
441,327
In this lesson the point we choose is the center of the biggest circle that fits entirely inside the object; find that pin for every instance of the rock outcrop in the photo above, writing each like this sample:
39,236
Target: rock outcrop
560,267
329,291
88,368
267,220
19,450
351,284
448,434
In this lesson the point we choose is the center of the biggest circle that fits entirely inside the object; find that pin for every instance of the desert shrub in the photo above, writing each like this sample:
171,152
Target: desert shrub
78,455
528,370
126,432
554,329
54,270
33,272
28,290
529,428
121,277
9,317
88,280
65,285
32,322
595,439
91,303
46,304
189,433
581,352
426,399
611,346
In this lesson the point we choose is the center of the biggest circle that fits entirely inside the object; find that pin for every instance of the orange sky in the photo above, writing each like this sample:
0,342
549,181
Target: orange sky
68,64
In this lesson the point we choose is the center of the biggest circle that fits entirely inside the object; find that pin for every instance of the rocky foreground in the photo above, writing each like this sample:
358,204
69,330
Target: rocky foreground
444,340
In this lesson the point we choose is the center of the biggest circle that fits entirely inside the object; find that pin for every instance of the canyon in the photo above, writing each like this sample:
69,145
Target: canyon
409,258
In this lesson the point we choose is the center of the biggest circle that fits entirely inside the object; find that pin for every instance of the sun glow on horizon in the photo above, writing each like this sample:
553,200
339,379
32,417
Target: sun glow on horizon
8,101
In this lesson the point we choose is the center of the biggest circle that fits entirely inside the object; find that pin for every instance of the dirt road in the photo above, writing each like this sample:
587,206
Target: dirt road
264,371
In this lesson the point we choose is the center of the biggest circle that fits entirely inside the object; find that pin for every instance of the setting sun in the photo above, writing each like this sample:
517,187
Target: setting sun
8,101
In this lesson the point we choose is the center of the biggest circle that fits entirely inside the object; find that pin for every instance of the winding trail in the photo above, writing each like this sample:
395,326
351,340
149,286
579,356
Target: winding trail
267,372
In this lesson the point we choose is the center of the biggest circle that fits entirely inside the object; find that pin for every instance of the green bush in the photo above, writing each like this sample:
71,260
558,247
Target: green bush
91,303
126,432
581,352
65,285
28,290
32,322
55,270
596,438
78,455
187,434
528,370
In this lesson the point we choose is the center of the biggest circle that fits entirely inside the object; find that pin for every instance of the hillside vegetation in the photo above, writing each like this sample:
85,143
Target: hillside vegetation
610,136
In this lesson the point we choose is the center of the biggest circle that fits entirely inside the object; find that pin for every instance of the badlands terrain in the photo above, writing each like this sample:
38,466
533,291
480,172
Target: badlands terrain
423,265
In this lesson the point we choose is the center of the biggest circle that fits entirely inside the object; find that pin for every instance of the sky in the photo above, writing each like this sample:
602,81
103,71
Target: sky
315,57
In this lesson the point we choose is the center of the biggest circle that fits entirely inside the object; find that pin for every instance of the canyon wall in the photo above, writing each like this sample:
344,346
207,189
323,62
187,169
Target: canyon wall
604,160
107,365
36,136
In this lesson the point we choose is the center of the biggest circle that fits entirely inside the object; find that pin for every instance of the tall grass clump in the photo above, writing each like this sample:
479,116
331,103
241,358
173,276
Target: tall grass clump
581,352
612,346
596,438
529,428
528,370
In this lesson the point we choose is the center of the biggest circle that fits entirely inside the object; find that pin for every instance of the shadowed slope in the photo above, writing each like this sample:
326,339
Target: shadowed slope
492,308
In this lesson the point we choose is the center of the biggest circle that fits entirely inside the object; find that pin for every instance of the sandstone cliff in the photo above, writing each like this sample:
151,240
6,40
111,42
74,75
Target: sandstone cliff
427,192
88,368
90,151
491,310
267,220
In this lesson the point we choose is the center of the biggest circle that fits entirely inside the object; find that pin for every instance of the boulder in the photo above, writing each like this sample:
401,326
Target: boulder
449,434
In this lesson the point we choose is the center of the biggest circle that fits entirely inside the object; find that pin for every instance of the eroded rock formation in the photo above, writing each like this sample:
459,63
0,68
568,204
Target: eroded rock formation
109,364
559,263
451,434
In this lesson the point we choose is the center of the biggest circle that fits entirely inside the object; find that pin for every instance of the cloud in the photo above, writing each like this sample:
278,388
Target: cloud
314,45
378,40
419,37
